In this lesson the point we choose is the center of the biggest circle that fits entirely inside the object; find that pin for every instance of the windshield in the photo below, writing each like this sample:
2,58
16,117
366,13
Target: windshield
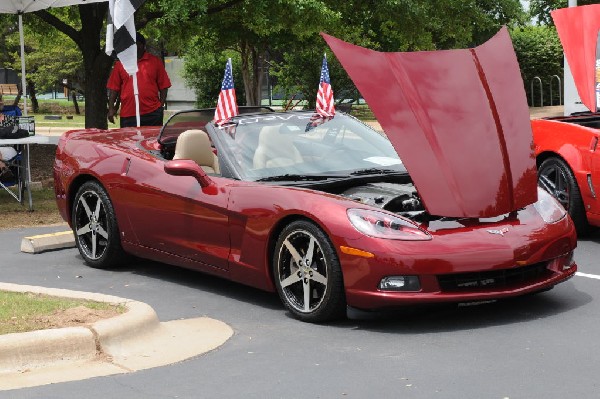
293,146
195,119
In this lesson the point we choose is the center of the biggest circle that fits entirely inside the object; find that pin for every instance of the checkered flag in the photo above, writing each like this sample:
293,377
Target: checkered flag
120,32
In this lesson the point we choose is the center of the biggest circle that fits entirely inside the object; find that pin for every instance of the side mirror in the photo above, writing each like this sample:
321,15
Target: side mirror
187,167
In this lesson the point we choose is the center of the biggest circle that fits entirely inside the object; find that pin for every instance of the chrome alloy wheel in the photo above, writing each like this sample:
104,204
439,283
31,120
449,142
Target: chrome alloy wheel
553,179
91,225
302,271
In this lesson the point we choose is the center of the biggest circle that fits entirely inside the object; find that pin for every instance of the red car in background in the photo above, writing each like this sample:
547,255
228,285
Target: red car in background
568,159
566,148
329,213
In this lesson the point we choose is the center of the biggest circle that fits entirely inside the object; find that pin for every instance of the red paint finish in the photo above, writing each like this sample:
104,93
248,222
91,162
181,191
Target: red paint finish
578,28
454,119
228,228
461,250
574,144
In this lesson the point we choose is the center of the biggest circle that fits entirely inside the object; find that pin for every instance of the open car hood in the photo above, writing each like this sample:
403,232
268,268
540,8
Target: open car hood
458,119
578,28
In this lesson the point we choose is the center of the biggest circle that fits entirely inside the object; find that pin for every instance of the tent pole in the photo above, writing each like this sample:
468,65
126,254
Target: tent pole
23,80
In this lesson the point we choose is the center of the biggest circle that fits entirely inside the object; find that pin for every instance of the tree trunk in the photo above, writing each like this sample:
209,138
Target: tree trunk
75,104
97,70
95,62
35,106
252,68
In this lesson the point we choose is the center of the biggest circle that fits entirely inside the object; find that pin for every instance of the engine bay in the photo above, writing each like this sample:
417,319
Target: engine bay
400,198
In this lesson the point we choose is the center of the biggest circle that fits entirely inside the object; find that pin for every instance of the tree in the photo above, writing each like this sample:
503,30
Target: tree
251,29
283,36
85,31
390,25
85,27
204,71
50,57
8,25
540,55
540,9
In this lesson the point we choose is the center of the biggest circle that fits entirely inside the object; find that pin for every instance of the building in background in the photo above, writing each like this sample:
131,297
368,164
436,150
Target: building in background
180,96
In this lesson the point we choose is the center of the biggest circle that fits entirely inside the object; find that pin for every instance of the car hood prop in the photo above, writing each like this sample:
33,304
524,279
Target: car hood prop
458,119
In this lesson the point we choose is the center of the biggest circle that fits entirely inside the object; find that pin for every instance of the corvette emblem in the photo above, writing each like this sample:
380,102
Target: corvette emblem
499,232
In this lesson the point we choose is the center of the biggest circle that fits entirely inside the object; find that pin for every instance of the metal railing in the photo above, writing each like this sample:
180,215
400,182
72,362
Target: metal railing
541,89
560,98
538,79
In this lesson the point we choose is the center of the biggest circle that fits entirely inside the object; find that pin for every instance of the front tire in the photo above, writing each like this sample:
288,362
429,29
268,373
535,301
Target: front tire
556,177
95,227
307,273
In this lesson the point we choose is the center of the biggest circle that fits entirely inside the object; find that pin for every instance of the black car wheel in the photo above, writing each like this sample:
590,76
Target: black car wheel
307,273
556,177
95,227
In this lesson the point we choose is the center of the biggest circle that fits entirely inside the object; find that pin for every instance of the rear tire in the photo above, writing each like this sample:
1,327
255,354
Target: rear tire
95,227
556,177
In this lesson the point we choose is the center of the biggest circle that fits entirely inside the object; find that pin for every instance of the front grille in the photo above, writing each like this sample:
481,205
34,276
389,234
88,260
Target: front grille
493,279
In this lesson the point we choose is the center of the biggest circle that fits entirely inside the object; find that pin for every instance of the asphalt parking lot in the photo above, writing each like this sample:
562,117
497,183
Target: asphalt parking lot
542,346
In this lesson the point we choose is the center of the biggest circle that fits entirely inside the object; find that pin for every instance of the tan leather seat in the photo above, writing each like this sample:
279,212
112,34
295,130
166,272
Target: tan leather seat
275,149
195,145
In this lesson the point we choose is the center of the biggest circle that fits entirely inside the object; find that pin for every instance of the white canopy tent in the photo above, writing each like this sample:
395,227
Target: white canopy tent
20,7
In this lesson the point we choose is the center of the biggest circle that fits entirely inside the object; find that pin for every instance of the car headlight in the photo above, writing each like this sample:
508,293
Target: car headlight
383,225
548,207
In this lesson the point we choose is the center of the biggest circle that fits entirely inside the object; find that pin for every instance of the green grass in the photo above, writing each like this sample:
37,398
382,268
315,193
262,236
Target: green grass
60,107
16,215
21,312
77,121
44,199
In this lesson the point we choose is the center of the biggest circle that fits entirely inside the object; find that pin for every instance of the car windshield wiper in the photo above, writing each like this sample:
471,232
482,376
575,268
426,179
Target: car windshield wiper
373,171
294,177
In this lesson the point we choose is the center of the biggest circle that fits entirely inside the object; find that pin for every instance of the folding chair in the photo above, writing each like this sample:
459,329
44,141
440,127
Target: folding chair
13,175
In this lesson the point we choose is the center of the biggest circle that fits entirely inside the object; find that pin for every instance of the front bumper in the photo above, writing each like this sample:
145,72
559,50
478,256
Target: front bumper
377,299
462,265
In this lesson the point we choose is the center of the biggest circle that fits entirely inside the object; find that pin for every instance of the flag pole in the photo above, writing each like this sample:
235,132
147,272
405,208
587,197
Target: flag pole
136,94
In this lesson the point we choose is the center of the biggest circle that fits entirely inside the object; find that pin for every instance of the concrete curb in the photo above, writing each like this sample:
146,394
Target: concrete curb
47,242
132,341
26,351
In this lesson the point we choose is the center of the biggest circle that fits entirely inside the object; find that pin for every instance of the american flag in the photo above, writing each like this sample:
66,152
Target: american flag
227,104
325,106
120,32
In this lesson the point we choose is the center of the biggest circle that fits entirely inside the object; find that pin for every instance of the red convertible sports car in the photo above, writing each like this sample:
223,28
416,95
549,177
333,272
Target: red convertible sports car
567,151
330,213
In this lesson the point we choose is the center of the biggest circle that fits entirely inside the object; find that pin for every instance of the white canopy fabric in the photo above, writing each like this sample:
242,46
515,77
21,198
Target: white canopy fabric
22,6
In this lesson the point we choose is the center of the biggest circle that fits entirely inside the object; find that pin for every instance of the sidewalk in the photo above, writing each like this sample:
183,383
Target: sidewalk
546,112
135,340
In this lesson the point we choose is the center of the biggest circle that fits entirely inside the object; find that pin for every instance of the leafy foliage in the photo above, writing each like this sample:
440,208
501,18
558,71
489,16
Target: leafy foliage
8,25
540,54
279,36
540,9
204,71
50,57
283,36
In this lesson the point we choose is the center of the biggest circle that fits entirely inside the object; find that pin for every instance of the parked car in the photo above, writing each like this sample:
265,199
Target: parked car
326,212
568,160
566,148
